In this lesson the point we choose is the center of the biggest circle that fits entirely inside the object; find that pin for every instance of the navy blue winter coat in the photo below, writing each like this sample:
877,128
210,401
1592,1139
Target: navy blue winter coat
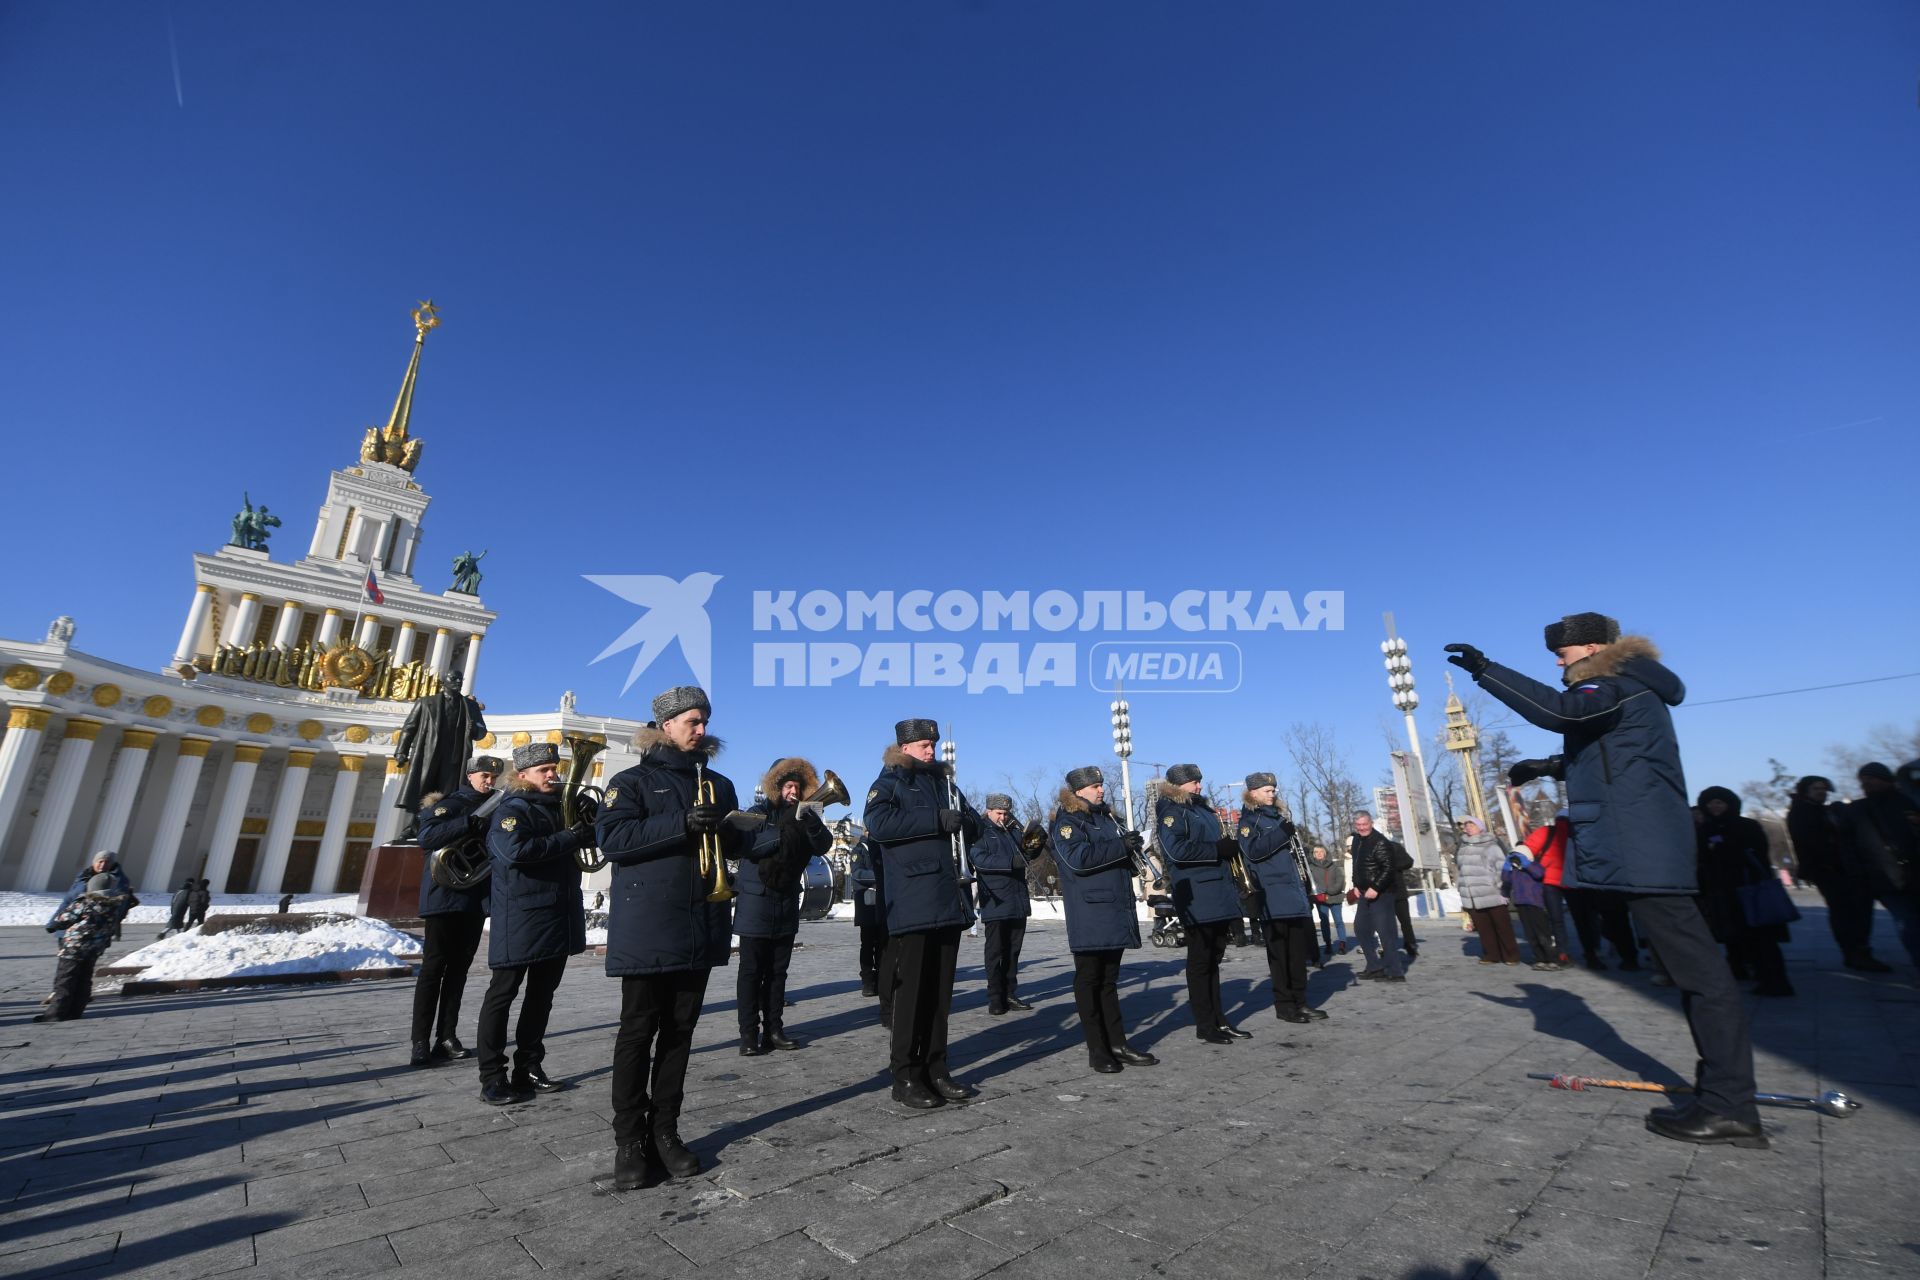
121,886
923,891
1096,876
771,870
1190,834
1626,796
658,916
1266,842
1000,872
535,894
445,820
868,876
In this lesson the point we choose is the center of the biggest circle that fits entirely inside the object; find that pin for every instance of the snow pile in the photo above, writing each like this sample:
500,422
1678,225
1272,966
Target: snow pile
33,909
341,943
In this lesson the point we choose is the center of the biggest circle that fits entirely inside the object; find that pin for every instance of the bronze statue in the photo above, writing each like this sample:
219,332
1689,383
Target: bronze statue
466,573
436,742
252,528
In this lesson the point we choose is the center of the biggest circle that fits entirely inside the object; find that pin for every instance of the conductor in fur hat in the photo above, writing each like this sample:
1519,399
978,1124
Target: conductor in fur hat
766,915
911,822
538,921
1633,835
664,937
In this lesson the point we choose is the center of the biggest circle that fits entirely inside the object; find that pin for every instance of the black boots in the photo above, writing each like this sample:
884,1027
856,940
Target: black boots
913,1094
422,1054
779,1040
1132,1058
1015,1002
1291,1013
1213,1035
674,1154
869,986
1697,1124
448,1047
950,1089
750,1046
529,1078
498,1093
997,1006
1236,1032
635,1166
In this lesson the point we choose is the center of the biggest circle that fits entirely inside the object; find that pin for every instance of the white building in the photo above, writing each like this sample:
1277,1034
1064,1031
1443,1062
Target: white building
260,756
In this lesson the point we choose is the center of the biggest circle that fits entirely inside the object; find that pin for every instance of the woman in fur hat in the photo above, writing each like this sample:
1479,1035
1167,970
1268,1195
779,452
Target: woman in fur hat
766,915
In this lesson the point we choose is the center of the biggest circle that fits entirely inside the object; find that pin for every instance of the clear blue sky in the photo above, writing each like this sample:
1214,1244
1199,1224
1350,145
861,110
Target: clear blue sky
1478,313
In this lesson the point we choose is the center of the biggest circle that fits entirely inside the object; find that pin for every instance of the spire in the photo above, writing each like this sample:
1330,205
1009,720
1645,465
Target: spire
393,444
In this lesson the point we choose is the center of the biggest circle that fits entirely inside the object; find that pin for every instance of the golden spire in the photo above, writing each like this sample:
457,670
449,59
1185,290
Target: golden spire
392,444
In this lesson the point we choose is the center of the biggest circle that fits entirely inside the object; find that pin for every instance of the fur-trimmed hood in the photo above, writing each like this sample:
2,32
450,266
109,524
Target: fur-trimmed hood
648,738
432,797
1607,661
1160,789
785,767
1070,801
894,758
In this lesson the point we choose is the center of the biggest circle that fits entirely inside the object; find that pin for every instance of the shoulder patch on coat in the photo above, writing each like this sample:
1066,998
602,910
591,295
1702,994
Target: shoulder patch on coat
1246,831
613,793
441,812
871,794
1167,821
1066,831
508,824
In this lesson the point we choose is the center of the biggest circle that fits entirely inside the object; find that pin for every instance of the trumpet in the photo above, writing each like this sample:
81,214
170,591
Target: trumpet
830,791
713,861
580,800
1144,869
1251,903
956,801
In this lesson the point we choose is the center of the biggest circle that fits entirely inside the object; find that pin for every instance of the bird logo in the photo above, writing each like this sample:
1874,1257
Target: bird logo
674,611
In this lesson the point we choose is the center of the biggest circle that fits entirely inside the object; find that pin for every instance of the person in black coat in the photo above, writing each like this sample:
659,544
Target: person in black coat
538,921
912,815
665,935
1633,835
1267,845
1733,853
870,917
198,903
766,915
1000,888
1204,894
177,913
1378,865
1880,848
454,918
1813,826
1095,857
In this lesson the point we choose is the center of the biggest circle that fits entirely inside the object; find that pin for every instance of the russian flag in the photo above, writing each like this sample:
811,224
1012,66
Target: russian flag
373,589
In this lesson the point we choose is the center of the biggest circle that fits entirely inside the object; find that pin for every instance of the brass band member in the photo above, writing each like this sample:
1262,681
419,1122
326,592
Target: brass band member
1095,858
767,912
911,826
1203,894
454,918
664,936
1266,844
538,921
870,917
1000,871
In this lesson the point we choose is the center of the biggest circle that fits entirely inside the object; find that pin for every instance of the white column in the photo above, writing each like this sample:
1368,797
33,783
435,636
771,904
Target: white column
123,784
403,645
173,815
437,656
369,631
245,614
196,623
233,809
473,663
387,820
326,868
56,806
288,627
18,750
329,628
272,867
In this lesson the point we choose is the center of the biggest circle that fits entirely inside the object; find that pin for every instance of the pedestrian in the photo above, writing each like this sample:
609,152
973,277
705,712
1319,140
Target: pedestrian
1378,864
870,918
177,912
1481,861
1733,855
1526,885
1269,848
1548,847
86,926
1329,886
1881,833
198,904
1813,826
1632,834
999,859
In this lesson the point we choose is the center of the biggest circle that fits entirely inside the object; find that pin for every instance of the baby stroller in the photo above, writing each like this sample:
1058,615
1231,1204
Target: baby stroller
1167,929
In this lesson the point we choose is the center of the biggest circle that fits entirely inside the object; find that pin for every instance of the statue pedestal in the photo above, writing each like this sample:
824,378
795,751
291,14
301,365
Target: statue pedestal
390,885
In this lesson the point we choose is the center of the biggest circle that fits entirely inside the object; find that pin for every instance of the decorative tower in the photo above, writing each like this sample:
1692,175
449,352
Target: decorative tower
1463,740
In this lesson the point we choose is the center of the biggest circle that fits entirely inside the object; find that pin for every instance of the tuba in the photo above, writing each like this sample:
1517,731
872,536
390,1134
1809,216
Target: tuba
465,863
580,800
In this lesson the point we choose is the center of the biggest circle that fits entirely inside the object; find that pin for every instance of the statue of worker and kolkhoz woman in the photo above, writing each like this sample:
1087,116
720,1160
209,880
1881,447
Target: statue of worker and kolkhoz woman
251,527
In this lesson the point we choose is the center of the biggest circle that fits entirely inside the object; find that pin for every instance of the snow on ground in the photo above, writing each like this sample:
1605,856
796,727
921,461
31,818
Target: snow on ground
345,942
34,908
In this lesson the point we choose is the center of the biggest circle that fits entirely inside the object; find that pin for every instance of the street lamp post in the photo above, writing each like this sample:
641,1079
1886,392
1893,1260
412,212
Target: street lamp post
1123,748
1405,699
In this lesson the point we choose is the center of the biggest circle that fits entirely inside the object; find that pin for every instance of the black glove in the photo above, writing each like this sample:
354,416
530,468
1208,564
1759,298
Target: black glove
1526,771
583,832
703,819
951,820
1136,843
476,826
1468,658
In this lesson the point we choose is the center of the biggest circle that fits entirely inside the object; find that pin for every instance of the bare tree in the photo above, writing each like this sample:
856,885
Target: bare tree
1771,797
1323,776
1886,743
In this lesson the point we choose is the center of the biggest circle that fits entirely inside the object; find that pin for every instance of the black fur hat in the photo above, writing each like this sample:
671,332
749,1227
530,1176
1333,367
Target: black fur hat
1582,628
1083,777
915,731
1183,773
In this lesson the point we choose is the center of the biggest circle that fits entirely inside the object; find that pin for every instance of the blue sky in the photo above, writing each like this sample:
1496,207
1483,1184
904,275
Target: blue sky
1477,313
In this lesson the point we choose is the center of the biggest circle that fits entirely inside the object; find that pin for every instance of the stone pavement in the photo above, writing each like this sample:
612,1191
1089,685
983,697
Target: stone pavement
276,1133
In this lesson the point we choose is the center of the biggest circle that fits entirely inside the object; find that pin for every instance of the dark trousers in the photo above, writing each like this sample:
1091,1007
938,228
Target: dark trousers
1289,943
1849,913
1539,934
1206,947
444,961
1905,910
1494,925
1003,957
922,997
1096,994
1405,919
873,944
1756,953
1557,920
1373,920
1716,1014
530,1032
760,994
657,1016
72,984
1597,913
887,980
